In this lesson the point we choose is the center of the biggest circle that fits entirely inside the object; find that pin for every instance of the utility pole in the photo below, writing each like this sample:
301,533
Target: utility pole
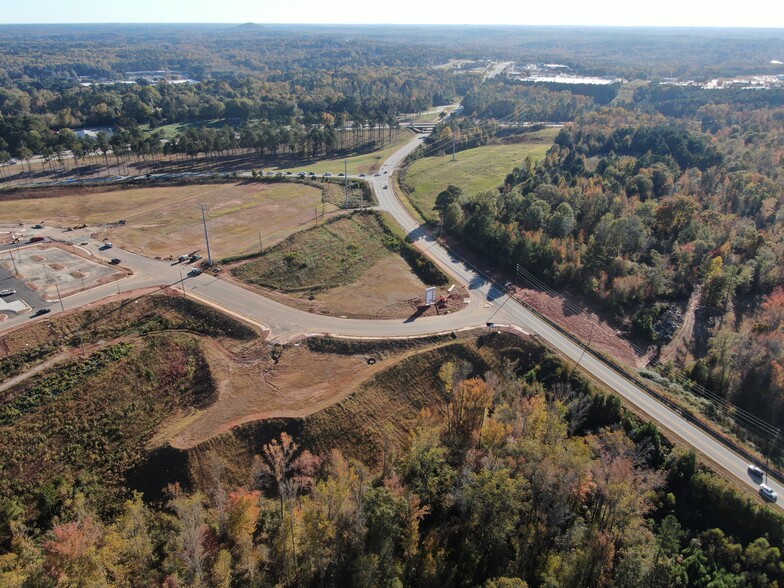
261,248
453,146
182,283
16,271
56,287
206,235
345,175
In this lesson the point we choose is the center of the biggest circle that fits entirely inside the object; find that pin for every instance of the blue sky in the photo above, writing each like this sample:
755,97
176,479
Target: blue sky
721,13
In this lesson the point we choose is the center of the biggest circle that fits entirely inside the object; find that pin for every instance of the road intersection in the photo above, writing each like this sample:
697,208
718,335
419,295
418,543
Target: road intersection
488,303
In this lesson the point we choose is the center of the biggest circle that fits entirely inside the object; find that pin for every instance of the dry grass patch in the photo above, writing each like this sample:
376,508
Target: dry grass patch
166,220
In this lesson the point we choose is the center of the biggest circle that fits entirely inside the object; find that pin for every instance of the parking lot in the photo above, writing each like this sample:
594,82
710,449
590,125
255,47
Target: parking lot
43,269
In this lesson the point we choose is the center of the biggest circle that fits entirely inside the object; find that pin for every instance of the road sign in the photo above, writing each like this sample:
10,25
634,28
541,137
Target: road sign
430,295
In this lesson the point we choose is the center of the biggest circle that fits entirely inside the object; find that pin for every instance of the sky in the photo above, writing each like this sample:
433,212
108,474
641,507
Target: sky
688,13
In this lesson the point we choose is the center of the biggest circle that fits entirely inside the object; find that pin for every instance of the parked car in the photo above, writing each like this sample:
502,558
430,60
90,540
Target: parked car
768,493
41,311
114,261
195,257
194,272
183,258
7,292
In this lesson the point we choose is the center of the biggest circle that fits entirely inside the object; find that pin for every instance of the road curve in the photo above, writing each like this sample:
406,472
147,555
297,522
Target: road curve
489,303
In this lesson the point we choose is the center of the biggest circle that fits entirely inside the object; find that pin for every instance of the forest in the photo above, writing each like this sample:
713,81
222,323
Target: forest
638,206
523,475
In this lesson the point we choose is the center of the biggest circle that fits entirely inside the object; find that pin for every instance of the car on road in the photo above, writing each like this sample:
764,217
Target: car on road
302,174
108,245
37,226
114,261
341,174
361,175
327,174
755,471
768,493
41,311
7,292
376,174
386,186
194,272
35,239
195,257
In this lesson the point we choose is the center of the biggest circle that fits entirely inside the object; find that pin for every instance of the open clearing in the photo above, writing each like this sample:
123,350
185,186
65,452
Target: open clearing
347,267
365,416
338,388
166,220
474,170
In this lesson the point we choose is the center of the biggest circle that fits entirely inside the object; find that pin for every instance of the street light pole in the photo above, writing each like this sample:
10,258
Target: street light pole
60,298
345,176
182,283
206,235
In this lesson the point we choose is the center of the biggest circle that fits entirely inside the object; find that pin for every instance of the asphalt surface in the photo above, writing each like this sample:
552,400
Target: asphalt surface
488,303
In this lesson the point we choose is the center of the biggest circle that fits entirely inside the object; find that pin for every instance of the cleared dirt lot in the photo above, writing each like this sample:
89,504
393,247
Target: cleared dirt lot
166,220
300,384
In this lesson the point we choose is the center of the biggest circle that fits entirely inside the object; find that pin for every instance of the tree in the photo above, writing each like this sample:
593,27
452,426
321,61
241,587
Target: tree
446,198
292,472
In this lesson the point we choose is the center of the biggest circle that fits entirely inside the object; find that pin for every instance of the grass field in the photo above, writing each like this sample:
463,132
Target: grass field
351,266
166,220
333,254
475,170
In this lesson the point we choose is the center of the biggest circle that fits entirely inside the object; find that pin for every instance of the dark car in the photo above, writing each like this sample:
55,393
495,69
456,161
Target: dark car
36,239
114,261
41,311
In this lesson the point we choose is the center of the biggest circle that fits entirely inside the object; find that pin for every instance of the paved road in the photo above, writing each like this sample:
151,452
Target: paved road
488,303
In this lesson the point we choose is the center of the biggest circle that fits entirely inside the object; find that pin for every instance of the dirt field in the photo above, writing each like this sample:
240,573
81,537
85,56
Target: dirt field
588,325
262,389
373,295
166,220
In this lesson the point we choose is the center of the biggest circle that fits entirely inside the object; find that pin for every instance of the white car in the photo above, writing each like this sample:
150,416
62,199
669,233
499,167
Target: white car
755,471
768,493
7,292
326,175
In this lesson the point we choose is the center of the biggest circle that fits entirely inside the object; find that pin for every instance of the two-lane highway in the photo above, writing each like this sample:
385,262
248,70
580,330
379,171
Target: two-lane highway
488,302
